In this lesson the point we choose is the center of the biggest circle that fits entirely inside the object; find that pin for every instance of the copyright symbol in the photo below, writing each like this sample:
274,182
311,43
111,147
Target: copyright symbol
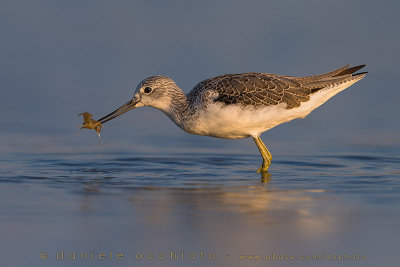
43,255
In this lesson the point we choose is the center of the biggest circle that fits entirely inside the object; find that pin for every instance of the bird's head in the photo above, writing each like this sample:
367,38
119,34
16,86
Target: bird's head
154,91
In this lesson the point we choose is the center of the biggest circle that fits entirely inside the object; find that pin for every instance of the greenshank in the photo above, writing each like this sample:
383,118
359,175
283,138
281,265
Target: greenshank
240,105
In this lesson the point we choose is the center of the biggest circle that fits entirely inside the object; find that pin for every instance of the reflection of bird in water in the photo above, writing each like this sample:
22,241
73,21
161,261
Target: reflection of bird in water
240,105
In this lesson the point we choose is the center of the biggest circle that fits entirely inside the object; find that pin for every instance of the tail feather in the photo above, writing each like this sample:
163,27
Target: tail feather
336,80
325,76
360,73
335,77
321,76
350,70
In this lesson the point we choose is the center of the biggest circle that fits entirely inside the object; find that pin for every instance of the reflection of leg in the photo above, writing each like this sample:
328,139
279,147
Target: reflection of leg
267,157
265,177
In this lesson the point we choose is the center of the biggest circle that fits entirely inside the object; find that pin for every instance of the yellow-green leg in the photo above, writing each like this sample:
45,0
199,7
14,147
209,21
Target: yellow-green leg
267,157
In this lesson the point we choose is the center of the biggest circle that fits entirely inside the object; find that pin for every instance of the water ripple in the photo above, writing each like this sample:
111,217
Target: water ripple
371,174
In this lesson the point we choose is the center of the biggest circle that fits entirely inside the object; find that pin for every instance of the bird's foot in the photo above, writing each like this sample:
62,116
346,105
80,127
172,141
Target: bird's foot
263,170
264,167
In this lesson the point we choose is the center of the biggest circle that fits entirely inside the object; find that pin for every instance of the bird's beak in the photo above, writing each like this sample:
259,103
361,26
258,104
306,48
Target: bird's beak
131,104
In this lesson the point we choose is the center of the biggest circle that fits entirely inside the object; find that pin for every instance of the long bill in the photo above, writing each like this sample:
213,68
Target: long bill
131,104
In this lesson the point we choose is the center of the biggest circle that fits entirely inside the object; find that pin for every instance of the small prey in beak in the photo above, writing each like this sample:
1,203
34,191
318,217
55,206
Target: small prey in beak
90,123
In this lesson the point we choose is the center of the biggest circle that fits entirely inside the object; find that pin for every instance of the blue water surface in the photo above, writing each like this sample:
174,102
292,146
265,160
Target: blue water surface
199,209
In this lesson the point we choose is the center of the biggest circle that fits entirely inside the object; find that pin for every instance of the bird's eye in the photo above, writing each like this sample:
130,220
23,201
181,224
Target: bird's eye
147,90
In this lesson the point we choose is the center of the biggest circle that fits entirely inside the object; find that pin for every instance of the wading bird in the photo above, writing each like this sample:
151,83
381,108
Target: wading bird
240,105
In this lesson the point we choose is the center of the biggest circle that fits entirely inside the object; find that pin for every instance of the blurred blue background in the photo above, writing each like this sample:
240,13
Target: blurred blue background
61,58
149,186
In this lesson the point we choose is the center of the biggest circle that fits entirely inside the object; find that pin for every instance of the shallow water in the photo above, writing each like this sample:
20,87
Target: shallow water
204,209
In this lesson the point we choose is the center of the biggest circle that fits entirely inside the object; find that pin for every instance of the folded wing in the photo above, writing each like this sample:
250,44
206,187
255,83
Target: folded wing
265,89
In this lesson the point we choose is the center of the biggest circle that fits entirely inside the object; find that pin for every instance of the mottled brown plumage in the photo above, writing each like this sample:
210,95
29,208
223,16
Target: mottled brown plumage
265,89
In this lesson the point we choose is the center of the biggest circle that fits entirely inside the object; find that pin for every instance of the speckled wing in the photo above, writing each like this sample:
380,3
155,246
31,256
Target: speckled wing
264,89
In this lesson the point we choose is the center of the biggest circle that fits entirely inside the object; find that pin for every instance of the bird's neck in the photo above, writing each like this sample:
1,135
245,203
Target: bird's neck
178,108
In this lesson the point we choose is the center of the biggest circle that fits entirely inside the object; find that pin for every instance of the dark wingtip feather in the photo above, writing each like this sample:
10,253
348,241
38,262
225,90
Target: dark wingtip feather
360,73
350,70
